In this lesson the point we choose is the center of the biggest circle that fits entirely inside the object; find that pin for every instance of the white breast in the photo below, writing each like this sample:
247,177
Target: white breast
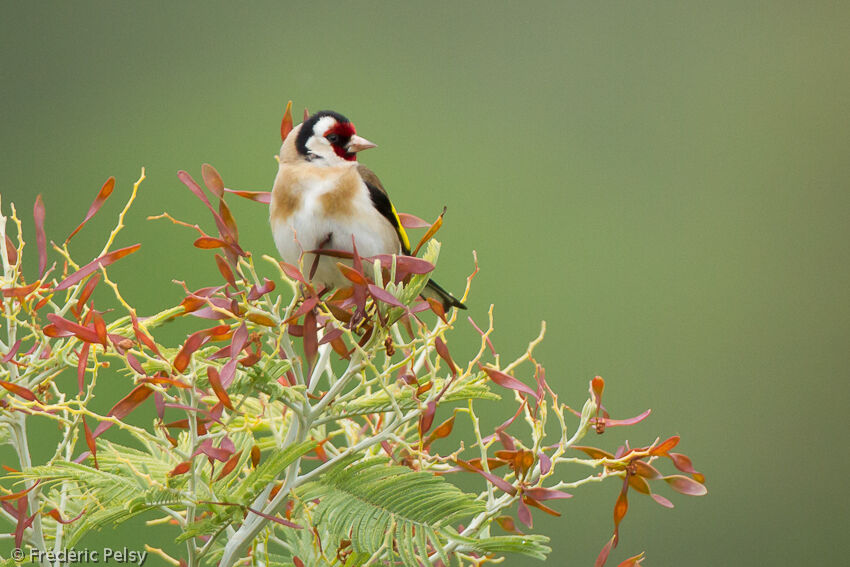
308,228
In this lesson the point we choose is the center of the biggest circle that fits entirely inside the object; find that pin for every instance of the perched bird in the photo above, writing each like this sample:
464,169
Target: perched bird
322,198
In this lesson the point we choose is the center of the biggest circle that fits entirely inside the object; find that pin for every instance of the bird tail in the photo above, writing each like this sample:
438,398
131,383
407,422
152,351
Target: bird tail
436,291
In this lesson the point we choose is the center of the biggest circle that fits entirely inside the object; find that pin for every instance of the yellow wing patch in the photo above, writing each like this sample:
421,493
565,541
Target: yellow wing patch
404,239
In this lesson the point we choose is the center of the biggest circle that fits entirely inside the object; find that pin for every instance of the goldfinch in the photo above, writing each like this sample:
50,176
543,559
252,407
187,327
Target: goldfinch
322,198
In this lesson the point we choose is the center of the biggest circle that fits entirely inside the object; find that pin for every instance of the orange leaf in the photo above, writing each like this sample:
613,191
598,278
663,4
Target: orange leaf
90,442
182,468
21,292
443,430
19,390
229,466
212,180
431,232
101,197
443,351
94,265
124,406
209,242
38,213
665,446
220,392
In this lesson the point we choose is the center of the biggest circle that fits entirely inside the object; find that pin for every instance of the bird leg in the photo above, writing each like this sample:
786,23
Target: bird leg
322,244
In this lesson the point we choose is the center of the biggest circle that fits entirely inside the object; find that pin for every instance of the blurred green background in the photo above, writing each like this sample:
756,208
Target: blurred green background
665,183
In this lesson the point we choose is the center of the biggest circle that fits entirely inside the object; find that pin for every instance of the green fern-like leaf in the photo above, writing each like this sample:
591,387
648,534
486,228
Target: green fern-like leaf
371,500
530,545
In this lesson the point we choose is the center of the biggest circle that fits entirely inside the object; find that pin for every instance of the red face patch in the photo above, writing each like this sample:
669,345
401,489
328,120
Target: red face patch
344,131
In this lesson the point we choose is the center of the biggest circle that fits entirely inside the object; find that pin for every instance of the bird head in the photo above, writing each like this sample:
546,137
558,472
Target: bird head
329,138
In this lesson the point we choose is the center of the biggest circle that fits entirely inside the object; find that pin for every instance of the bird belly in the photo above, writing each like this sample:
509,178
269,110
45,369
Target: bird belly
310,227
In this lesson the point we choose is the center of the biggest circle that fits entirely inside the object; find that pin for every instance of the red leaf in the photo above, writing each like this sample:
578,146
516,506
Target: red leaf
545,463
594,453
56,516
11,251
646,470
12,352
292,272
220,392
506,381
229,221
86,334
286,122
524,514
631,421
405,264
81,366
411,221
427,417
100,329
311,338
276,519
506,440
21,292
182,468
606,550
632,561
330,336
101,197
665,446
40,238
218,453
305,307
229,466
212,180
124,406
443,351
90,442
684,464
507,524
661,500
540,493
17,495
141,336
257,196
621,506
134,363
442,431
257,292
224,231
193,343
385,296
19,391
351,274
94,265
685,485
540,506
88,289
209,242
225,270
297,561
255,456
498,482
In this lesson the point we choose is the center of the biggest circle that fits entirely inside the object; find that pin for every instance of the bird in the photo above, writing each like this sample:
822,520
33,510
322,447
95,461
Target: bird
323,198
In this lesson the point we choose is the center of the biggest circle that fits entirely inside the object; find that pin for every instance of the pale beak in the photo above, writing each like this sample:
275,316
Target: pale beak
356,144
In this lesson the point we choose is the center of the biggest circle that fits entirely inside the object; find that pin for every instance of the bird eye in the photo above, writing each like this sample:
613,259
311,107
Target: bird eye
332,138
